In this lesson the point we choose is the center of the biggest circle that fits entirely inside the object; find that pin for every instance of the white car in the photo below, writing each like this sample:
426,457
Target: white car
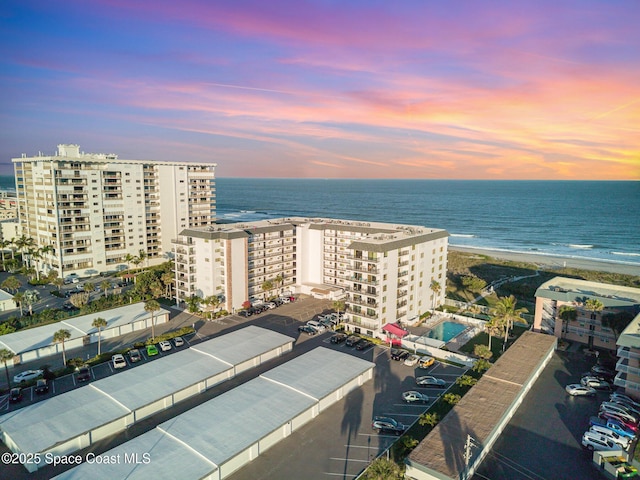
164,346
317,326
412,360
285,299
178,341
595,441
412,396
118,361
429,381
27,375
619,439
576,389
595,382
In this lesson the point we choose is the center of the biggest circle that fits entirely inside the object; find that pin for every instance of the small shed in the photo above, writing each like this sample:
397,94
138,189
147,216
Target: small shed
7,302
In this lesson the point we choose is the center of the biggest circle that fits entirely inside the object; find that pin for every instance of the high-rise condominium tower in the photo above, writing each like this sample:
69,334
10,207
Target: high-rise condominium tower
95,212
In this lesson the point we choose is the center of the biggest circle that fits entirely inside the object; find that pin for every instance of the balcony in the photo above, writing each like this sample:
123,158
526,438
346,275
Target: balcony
365,302
358,322
369,313
369,281
624,352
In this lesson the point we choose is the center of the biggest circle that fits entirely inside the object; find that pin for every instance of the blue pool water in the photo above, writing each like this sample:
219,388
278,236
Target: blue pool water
445,331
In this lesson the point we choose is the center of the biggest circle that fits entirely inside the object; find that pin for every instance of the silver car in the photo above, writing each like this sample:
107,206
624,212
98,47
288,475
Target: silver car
27,375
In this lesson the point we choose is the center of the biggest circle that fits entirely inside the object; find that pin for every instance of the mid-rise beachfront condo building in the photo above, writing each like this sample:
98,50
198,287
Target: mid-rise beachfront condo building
96,211
383,272
585,312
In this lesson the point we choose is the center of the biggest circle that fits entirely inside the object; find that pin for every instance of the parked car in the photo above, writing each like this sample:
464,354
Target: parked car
633,410
317,325
576,389
387,424
134,355
338,338
327,323
595,441
352,340
84,374
245,313
625,398
618,439
42,386
307,329
426,361
271,305
618,410
178,341
613,425
412,360
285,299
363,344
595,382
429,381
15,395
152,350
397,354
414,397
165,345
26,376
626,423
605,372
118,361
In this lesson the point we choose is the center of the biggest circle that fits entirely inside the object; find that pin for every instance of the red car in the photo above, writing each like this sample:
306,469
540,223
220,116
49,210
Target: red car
611,416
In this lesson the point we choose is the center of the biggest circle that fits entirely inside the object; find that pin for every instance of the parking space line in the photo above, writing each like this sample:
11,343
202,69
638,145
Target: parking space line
395,414
378,435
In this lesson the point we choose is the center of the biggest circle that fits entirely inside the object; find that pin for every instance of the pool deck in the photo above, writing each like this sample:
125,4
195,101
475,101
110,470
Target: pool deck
459,340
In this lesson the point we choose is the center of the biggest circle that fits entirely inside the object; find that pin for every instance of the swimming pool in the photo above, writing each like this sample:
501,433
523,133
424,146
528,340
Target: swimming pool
445,331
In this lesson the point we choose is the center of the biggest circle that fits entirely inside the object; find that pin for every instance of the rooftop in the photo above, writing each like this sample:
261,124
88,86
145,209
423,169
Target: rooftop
574,290
483,407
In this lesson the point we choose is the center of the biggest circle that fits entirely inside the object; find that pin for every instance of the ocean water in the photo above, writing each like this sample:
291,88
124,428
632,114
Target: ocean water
594,220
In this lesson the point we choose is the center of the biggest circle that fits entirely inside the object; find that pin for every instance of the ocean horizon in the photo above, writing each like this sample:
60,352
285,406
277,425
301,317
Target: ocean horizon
594,220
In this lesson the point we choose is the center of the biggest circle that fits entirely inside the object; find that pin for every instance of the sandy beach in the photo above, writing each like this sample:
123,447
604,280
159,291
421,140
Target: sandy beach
554,261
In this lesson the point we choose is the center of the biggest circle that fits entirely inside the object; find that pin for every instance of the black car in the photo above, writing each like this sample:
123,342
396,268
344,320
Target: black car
15,395
398,354
338,338
599,370
352,341
42,386
363,344
307,329
246,313
387,424
84,374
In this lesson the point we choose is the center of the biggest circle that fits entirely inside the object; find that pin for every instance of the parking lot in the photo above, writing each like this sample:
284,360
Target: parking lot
339,442
543,439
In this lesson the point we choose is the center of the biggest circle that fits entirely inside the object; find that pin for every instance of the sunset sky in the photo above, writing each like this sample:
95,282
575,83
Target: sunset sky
327,88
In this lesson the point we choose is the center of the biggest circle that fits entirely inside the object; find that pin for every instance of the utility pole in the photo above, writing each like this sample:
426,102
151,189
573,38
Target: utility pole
468,444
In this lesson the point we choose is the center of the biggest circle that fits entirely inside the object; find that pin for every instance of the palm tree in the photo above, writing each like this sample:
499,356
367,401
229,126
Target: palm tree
506,313
5,356
18,298
23,243
436,288
279,280
593,305
193,303
338,305
99,323
89,287
11,284
142,255
490,325
167,279
567,313
152,306
31,297
105,285
3,244
59,337
267,286
129,260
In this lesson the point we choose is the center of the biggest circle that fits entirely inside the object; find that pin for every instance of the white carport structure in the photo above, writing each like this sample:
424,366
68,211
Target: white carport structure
36,343
220,436
74,420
